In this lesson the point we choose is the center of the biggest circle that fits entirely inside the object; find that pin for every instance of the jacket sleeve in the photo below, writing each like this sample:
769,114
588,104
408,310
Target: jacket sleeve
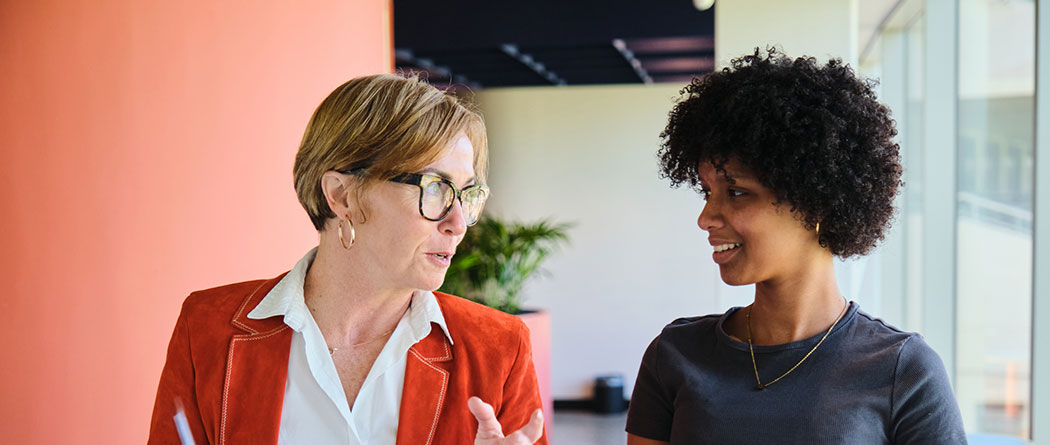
176,386
521,391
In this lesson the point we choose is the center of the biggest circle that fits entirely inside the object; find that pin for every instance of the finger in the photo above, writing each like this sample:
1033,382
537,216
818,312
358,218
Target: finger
488,425
530,433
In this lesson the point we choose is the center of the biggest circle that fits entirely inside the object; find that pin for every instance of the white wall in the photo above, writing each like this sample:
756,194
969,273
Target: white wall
819,28
637,259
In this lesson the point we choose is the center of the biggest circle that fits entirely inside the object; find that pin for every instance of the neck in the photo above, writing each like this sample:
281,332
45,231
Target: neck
347,301
796,308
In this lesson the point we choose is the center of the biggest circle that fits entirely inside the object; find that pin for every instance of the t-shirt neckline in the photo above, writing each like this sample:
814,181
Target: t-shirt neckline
725,338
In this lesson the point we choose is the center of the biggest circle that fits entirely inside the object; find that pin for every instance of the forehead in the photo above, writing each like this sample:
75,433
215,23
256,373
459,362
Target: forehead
733,169
456,161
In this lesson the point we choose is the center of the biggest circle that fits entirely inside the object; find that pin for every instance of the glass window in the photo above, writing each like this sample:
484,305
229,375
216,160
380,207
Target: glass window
994,222
912,136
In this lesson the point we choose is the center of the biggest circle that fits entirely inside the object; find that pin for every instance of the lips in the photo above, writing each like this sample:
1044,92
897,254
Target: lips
440,259
724,251
443,258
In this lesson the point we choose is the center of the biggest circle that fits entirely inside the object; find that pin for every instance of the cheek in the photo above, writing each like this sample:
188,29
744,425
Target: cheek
399,234
417,235
775,234
749,222
762,231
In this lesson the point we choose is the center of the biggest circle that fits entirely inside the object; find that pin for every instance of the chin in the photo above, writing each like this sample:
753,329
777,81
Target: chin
734,280
430,283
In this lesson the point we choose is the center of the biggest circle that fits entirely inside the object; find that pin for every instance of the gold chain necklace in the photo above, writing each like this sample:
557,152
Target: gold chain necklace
760,386
331,350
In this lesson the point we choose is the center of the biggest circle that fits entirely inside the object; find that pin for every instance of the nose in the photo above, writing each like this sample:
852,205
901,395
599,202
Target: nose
710,217
455,223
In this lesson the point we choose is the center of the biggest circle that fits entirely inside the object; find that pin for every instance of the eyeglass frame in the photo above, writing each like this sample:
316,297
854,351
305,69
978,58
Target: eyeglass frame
416,179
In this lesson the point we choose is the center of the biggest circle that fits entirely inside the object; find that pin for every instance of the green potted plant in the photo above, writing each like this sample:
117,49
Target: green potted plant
491,266
496,258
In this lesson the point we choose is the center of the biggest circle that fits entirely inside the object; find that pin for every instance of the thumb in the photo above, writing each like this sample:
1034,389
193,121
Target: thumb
488,425
531,432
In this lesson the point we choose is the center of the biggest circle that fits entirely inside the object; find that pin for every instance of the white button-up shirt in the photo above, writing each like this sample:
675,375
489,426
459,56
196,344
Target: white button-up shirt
315,409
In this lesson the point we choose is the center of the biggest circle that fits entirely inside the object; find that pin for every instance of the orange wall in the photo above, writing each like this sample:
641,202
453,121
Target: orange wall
146,151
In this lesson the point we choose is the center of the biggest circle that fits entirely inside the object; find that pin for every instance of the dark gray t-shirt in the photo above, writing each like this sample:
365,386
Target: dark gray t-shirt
868,383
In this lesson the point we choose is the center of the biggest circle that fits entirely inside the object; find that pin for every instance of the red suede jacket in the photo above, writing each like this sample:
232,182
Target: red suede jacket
229,372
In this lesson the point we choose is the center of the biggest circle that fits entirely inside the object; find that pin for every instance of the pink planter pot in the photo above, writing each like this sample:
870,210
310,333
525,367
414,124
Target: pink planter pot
539,324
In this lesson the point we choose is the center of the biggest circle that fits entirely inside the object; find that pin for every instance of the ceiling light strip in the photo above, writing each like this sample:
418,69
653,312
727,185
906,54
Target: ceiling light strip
633,61
539,68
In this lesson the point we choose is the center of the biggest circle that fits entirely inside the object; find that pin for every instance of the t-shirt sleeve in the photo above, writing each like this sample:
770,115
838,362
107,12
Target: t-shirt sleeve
923,404
651,410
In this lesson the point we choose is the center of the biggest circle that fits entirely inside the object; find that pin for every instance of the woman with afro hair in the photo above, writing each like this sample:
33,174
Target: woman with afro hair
797,164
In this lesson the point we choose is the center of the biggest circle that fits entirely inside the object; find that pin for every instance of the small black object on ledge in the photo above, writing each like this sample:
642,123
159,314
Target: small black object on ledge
608,394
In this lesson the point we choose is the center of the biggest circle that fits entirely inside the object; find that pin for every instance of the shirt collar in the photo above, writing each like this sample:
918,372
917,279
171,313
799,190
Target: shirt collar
424,311
287,299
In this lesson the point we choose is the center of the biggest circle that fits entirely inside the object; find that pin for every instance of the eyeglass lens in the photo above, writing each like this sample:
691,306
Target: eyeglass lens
438,197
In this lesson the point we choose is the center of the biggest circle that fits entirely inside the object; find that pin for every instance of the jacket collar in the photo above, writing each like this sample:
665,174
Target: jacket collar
256,371
426,382
257,326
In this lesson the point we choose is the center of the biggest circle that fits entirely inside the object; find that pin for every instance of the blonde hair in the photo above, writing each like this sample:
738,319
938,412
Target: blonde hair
385,124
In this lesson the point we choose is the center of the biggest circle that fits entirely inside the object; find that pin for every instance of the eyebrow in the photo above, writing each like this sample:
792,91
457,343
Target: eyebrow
731,178
743,177
445,175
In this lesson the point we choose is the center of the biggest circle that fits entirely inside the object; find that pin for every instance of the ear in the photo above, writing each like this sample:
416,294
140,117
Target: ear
338,189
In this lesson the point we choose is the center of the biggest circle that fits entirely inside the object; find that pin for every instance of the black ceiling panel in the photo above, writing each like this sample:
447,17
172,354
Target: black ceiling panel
495,43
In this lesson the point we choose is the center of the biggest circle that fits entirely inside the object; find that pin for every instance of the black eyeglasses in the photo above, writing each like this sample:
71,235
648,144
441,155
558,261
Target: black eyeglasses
437,195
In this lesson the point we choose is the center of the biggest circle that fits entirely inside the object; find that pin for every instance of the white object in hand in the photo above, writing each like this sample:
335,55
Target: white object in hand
182,426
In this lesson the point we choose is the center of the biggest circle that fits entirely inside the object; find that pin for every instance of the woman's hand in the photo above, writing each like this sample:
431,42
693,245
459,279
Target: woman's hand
490,432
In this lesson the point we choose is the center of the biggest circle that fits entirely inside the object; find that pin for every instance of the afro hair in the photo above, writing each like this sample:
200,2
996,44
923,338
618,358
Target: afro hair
813,134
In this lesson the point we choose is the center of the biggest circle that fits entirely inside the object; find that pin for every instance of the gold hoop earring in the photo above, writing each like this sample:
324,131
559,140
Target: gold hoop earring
818,229
352,234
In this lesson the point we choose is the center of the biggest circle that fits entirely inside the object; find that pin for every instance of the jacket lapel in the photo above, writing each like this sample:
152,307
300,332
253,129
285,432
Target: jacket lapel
424,390
256,372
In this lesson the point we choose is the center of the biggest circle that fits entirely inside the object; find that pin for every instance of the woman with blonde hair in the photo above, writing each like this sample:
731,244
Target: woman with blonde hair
353,345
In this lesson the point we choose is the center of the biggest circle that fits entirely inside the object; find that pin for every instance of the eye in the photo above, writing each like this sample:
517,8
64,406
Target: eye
434,189
704,194
733,193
